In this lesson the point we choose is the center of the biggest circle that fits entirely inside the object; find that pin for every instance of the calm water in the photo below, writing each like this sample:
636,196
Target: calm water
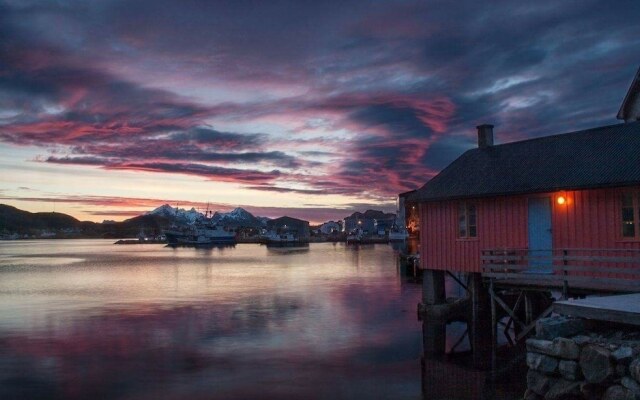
85,319
88,319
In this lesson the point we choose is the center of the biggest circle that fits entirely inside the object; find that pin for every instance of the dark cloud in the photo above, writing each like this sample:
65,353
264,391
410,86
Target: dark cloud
403,85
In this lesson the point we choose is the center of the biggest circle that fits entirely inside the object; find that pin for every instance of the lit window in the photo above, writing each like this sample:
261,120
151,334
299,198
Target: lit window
467,221
630,215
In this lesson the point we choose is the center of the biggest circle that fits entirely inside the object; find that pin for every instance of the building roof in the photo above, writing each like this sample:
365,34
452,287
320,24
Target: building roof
286,220
608,156
630,108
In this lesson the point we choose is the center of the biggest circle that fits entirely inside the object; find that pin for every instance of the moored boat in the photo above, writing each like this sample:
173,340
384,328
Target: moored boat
355,236
200,234
398,234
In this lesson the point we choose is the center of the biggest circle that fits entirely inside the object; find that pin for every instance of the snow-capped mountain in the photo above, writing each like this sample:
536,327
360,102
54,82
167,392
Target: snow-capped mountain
263,220
237,217
177,214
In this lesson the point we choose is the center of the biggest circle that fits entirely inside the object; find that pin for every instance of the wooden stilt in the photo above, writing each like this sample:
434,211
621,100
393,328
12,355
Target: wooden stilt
494,328
479,336
433,291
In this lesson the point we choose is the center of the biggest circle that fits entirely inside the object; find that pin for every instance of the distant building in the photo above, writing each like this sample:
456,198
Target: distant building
298,227
370,221
330,227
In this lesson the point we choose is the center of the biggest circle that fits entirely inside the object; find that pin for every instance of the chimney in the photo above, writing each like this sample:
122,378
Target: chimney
485,135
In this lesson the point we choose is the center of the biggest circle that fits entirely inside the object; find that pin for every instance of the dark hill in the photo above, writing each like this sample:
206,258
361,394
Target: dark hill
15,220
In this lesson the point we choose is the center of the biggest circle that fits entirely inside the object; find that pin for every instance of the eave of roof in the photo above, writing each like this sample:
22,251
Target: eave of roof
607,156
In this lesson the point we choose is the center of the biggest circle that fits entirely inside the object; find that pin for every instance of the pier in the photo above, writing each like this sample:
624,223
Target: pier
618,308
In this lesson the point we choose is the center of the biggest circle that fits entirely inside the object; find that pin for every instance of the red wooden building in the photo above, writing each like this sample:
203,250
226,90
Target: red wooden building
569,200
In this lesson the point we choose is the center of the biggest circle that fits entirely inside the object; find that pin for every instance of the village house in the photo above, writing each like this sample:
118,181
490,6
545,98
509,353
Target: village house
331,227
578,190
517,219
370,221
299,228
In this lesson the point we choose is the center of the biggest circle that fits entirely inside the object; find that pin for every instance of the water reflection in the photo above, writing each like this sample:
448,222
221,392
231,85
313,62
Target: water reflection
154,322
149,322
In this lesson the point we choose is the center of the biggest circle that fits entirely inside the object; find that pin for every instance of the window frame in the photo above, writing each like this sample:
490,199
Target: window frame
635,214
467,209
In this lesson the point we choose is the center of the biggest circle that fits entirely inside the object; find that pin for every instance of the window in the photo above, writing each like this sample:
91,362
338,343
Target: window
631,215
467,221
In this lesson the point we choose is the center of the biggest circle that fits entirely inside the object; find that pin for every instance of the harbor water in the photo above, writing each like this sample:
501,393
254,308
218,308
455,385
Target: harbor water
87,319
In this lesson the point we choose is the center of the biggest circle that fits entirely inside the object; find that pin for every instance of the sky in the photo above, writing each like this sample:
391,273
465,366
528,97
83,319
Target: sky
312,109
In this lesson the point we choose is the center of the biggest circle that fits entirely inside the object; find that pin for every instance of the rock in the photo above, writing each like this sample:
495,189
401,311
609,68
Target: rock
617,392
566,348
634,369
538,382
531,395
563,389
569,370
542,363
596,364
559,347
591,391
621,369
581,340
624,355
540,346
632,385
553,327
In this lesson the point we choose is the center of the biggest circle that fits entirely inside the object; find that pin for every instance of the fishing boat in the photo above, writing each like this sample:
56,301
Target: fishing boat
355,236
397,234
202,233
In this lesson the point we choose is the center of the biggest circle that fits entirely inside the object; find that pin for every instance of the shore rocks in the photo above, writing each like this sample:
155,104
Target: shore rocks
634,369
600,365
596,364
618,392
559,347
550,328
542,363
569,370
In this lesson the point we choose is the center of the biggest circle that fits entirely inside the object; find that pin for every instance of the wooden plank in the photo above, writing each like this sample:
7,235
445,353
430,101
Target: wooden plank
563,268
621,308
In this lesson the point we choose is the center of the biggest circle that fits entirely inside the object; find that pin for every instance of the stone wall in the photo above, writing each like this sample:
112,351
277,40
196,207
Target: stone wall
570,359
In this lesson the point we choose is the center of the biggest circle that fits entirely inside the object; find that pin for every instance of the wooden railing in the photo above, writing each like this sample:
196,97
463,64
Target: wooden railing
615,270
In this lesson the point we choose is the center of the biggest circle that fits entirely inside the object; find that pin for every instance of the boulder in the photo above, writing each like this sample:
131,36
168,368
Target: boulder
562,389
566,348
617,392
634,369
623,355
531,395
596,364
591,391
559,347
538,382
581,340
553,327
569,370
540,346
542,363
632,385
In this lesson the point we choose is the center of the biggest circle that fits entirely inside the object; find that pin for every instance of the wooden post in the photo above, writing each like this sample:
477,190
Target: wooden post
434,338
479,326
433,330
528,308
433,291
494,329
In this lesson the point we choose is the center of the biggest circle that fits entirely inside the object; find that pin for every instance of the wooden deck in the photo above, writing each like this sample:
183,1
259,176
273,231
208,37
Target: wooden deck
604,270
621,308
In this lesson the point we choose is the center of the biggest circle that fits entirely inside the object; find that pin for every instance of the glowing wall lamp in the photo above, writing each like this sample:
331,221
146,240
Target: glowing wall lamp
561,200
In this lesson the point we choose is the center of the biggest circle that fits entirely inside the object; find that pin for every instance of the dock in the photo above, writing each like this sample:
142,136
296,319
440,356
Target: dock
618,308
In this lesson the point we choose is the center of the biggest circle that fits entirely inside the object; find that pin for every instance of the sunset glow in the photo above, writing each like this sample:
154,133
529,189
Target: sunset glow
110,109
